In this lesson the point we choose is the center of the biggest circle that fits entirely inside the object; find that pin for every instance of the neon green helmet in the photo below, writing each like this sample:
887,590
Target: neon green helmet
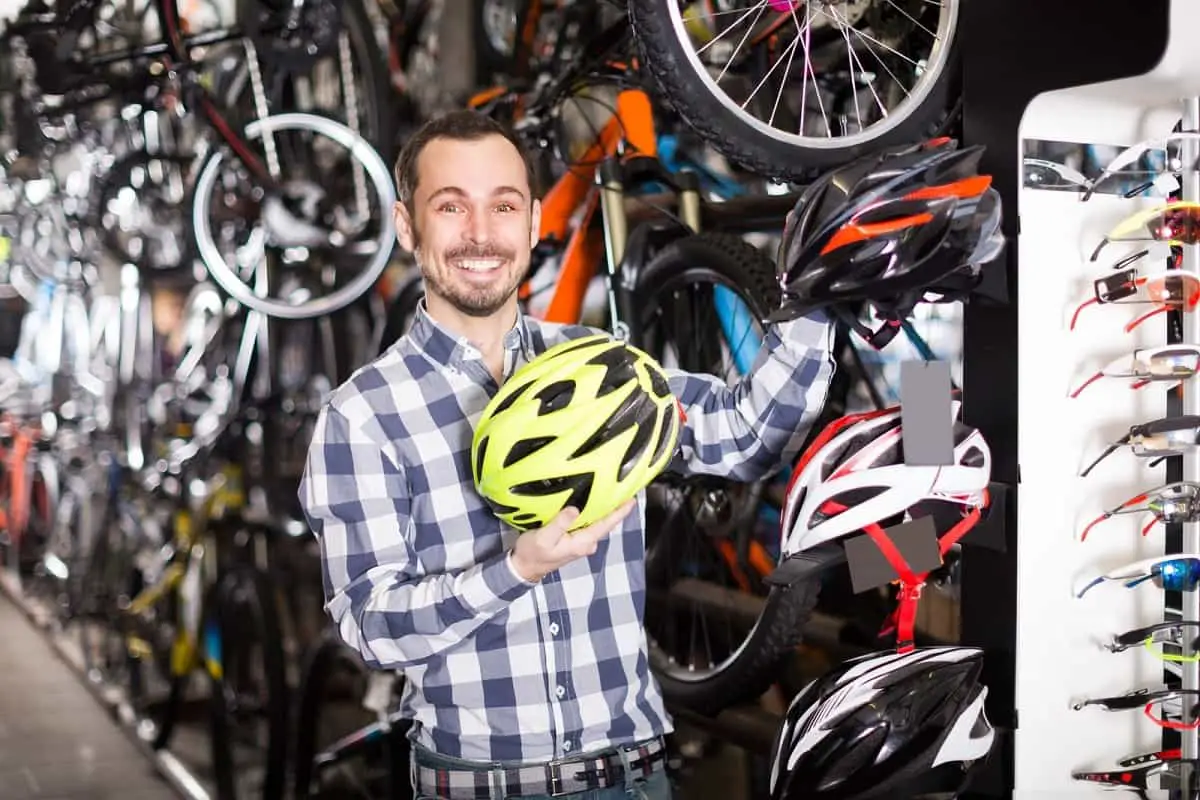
588,423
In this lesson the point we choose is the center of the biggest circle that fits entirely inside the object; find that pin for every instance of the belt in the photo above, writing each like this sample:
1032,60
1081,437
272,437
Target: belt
556,778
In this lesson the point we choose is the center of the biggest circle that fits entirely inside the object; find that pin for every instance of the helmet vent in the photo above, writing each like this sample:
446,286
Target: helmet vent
507,402
641,440
580,487
555,397
618,369
526,447
480,454
658,384
664,433
625,417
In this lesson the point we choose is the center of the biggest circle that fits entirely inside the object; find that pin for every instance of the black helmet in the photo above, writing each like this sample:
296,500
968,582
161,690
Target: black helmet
893,228
885,725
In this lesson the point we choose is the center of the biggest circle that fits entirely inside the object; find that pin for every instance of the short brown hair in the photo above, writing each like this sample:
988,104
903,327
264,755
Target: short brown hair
463,126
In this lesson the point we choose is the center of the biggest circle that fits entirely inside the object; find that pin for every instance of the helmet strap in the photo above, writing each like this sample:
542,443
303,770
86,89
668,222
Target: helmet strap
903,620
877,339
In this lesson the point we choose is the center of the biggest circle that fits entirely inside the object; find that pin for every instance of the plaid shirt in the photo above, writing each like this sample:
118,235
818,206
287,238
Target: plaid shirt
415,565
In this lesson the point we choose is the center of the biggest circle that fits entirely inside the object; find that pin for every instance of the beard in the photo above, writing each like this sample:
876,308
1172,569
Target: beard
474,301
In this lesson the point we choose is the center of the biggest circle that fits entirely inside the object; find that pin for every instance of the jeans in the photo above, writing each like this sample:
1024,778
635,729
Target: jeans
655,787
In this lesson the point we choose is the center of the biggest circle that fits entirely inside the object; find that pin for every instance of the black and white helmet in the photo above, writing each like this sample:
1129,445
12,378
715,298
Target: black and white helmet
886,725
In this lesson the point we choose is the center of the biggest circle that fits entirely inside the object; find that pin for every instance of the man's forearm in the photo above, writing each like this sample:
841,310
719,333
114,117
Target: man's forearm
747,431
395,623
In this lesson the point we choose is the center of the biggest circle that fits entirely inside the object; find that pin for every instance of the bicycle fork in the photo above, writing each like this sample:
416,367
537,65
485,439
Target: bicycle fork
611,178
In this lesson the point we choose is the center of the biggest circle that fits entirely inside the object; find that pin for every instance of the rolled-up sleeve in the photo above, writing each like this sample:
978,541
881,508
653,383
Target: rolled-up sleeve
357,502
747,430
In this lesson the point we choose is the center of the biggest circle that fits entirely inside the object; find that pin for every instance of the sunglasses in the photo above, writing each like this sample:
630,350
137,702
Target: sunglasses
1175,223
1172,504
1135,772
1174,362
1164,707
1157,639
1175,573
1043,174
1170,436
1173,163
1167,290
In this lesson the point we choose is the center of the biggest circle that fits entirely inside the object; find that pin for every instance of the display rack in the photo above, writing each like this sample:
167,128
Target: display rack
1190,602
1119,78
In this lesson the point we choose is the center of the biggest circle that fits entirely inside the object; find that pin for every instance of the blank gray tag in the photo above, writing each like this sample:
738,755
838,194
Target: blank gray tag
925,413
917,542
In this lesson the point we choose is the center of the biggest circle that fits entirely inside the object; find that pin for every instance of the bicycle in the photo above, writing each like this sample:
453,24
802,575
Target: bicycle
302,209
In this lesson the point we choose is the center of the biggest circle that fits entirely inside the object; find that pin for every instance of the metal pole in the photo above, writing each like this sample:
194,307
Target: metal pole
1190,191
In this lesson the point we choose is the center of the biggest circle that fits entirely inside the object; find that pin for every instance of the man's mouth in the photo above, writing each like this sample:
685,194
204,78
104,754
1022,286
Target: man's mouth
479,264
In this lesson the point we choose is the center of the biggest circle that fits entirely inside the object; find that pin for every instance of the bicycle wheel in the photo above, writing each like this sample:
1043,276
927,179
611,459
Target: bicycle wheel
248,697
309,245
871,74
311,60
336,754
696,589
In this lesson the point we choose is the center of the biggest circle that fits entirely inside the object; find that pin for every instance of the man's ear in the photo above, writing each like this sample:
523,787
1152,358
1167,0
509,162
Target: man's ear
535,224
404,227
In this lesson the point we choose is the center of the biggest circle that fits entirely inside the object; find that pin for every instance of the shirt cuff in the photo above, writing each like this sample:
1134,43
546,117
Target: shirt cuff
813,330
498,585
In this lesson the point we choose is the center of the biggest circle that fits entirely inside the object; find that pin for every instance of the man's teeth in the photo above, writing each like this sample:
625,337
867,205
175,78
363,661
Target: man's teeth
480,264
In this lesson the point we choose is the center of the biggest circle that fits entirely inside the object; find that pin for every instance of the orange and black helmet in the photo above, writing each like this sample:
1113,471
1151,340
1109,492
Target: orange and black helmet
893,228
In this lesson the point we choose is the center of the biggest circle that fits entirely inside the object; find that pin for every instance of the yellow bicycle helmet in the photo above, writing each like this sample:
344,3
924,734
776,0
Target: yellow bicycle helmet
588,423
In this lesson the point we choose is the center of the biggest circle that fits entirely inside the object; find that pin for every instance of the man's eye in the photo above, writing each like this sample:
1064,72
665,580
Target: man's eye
506,207
449,208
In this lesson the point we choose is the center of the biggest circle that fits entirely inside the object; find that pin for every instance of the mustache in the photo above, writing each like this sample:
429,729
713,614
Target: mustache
480,251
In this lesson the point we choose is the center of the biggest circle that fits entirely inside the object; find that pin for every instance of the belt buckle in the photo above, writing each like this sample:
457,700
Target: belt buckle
554,781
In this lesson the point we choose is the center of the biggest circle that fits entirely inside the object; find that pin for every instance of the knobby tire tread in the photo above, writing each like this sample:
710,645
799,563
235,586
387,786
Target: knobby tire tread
739,265
662,55
269,638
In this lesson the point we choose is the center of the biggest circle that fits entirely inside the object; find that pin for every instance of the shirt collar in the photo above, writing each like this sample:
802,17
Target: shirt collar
448,349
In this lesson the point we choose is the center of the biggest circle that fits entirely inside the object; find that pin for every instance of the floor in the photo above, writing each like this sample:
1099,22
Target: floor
56,740
59,742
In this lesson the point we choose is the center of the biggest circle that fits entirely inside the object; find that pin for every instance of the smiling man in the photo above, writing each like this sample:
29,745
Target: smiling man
526,659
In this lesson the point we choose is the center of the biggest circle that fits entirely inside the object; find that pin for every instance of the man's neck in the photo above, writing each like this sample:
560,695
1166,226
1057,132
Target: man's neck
486,334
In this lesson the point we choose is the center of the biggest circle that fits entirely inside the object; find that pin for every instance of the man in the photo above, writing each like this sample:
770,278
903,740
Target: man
518,649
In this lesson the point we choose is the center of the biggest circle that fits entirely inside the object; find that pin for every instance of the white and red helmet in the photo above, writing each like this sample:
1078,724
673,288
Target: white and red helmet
854,475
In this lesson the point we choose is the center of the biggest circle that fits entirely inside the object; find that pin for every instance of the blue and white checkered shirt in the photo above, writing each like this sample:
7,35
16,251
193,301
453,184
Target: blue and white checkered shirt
414,562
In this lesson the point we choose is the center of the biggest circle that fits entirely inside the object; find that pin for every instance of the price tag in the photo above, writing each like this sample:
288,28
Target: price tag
926,416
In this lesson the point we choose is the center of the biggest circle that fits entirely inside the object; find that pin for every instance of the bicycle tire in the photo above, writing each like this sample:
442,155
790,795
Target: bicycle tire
750,145
370,66
378,174
243,585
750,671
320,666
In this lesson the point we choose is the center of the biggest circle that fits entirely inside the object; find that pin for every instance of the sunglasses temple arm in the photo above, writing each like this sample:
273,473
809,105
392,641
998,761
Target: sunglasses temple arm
1095,582
1090,380
1107,452
1088,529
1139,320
1135,191
1132,582
1075,317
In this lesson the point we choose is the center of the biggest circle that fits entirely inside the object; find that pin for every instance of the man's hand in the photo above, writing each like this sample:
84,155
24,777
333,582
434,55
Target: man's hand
540,552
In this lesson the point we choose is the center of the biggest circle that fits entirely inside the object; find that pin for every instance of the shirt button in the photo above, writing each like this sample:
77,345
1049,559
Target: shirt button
554,629
560,692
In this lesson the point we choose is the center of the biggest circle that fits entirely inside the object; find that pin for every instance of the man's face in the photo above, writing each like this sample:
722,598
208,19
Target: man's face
473,222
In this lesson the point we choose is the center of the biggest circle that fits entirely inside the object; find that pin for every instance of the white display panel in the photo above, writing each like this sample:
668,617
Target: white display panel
1059,657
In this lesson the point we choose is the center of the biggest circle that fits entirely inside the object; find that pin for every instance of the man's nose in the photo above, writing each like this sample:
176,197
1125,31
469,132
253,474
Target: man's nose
478,228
